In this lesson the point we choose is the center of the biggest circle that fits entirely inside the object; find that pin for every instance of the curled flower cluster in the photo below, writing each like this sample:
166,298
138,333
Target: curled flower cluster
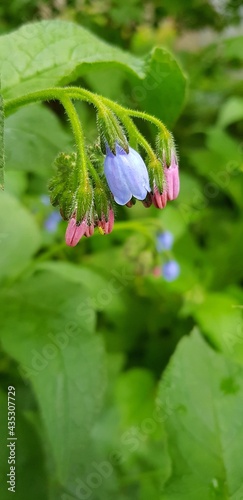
87,186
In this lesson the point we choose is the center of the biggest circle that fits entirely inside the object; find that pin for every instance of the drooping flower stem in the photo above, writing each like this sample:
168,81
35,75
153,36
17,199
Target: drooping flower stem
40,95
132,129
94,173
138,114
61,95
77,132
99,102
120,111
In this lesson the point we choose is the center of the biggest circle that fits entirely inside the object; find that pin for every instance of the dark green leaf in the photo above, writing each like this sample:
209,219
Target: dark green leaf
49,53
46,329
19,235
201,393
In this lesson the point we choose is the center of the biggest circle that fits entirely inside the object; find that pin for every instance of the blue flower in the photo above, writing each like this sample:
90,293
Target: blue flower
52,222
171,270
126,175
165,241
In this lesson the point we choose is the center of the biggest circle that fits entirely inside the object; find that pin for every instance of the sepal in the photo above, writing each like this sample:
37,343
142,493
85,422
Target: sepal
111,132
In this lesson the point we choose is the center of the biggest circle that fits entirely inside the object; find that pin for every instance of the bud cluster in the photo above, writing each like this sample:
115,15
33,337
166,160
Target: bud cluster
81,202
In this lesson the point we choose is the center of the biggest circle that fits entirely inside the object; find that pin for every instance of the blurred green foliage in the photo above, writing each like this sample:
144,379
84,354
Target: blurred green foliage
114,398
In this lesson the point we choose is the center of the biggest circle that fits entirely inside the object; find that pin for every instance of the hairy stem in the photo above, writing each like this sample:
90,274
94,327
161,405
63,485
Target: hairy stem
99,102
77,131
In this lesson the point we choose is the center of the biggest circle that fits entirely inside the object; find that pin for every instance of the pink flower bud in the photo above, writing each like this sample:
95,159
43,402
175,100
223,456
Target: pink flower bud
111,220
74,233
172,179
107,226
159,200
89,230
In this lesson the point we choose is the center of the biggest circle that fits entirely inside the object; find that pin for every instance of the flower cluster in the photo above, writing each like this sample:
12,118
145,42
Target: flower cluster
86,186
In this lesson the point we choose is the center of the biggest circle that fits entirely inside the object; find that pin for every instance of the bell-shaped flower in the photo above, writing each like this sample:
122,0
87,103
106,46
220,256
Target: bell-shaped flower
126,175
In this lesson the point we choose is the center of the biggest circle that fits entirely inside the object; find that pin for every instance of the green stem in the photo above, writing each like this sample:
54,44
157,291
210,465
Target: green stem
41,95
77,131
55,93
121,112
94,174
140,227
61,95
150,118
85,95
139,114
99,102
131,127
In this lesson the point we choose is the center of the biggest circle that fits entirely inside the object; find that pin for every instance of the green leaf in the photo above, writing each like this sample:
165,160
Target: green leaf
142,442
33,137
231,111
49,53
231,48
220,318
221,163
19,236
2,153
202,393
134,392
223,144
16,182
45,329
163,87
30,474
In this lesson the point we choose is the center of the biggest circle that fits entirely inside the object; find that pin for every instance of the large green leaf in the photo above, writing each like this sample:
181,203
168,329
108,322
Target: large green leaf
43,327
19,235
33,137
41,55
202,392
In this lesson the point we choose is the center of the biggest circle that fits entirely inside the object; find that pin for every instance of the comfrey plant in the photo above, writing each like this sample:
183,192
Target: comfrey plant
90,181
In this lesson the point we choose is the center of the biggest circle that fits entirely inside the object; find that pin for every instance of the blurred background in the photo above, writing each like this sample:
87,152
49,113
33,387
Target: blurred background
141,308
